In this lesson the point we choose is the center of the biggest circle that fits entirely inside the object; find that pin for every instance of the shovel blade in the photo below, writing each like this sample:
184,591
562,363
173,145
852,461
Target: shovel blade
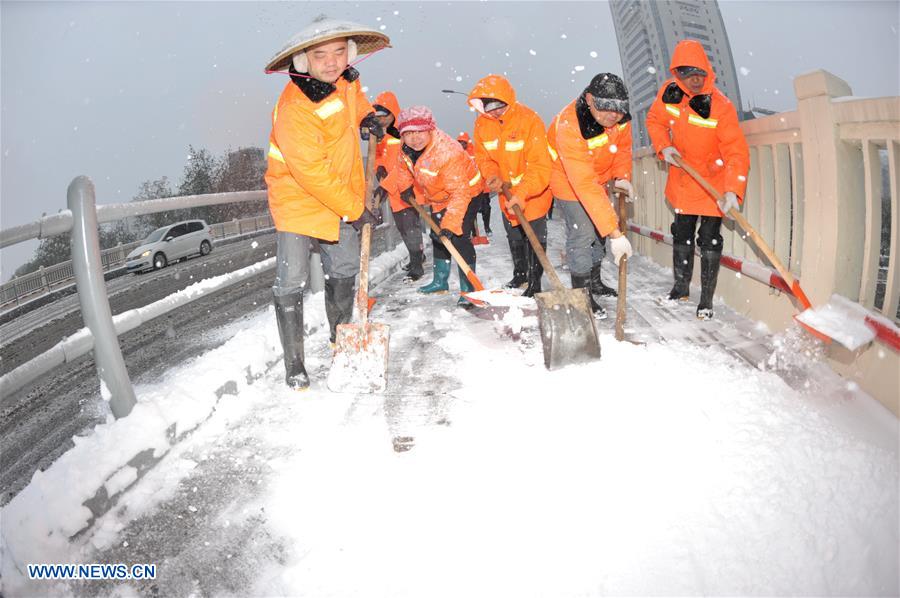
360,358
567,328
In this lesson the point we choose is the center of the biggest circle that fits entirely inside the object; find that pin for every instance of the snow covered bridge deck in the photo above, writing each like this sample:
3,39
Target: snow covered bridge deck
714,459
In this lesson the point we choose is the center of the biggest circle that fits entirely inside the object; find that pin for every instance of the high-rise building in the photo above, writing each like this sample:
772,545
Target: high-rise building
647,32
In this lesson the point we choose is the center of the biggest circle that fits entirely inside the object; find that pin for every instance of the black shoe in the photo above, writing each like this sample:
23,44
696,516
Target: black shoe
709,275
683,268
519,280
597,286
520,267
289,316
339,295
535,272
583,281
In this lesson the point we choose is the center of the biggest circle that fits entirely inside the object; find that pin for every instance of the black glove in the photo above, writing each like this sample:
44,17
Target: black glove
408,196
446,232
380,173
365,218
379,215
371,125
379,195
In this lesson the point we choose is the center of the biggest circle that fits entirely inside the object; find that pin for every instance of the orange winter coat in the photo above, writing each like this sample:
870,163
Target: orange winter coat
585,157
513,148
712,142
315,170
447,176
387,152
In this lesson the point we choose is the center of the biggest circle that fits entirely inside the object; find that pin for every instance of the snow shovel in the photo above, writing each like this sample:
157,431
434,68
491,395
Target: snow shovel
476,282
361,350
567,325
792,282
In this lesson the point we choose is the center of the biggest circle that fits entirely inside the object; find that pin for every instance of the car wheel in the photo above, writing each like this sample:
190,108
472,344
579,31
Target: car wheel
159,261
205,248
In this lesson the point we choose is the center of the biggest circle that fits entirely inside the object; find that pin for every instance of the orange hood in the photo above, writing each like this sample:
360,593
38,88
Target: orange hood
689,52
492,86
389,101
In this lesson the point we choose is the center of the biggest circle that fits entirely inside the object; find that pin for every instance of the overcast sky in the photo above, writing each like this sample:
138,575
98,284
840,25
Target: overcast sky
118,90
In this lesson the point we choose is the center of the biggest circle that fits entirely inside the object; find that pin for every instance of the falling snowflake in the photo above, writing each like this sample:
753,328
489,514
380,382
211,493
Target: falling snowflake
437,64
383,27
579,67
651,70
742,178
613,148
593,54
563,36
396,12
458,78
719,162
744,71
532,52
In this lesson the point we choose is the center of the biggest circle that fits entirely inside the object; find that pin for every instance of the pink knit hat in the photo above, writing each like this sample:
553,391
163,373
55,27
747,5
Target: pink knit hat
416,118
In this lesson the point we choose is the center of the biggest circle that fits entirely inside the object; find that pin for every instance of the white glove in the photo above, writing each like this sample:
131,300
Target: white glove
668,154
728,201
625,185
620,246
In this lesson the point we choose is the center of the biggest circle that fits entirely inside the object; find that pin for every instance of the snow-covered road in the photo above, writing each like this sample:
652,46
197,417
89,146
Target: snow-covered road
715,459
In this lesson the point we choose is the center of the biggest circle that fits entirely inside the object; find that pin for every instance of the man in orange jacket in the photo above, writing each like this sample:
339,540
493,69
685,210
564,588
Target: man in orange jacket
590,145
693,120
483,201
387,159
449,180
315,180
511,149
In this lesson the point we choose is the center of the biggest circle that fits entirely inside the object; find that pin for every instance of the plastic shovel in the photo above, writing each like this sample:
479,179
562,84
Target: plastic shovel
361,349
568,333
792,282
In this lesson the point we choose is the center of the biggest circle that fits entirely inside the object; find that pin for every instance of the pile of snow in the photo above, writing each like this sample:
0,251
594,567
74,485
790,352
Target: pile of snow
667,468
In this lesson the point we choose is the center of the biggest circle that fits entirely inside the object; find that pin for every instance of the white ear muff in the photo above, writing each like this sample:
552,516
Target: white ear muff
351,50
301,64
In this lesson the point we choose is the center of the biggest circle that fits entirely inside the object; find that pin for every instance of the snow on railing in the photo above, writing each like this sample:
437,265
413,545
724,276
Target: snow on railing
824,191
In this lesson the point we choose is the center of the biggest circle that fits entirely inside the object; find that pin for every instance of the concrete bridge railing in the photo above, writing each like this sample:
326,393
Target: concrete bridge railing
823,190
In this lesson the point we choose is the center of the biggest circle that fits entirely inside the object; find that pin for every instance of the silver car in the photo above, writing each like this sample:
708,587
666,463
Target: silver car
169,244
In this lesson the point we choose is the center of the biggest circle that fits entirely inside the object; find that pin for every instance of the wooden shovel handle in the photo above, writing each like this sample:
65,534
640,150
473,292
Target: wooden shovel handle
365,242
470,274
757,239
535,243
623,267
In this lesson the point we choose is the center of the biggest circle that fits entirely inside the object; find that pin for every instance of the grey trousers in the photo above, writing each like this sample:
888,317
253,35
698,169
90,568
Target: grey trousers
584,246
340,259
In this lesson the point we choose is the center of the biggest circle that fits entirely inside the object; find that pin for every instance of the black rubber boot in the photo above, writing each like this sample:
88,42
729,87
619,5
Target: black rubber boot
520,267
683,266
597,286
289,315
339,302
583,281
535,272
709,276
415,270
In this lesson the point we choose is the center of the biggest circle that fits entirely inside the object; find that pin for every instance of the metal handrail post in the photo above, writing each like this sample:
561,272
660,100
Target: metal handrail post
93,299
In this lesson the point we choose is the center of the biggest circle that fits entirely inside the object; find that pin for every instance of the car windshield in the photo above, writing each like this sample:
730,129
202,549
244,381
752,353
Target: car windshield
156,235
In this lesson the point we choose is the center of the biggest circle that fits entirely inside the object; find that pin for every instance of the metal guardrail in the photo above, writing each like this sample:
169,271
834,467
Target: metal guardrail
46,280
